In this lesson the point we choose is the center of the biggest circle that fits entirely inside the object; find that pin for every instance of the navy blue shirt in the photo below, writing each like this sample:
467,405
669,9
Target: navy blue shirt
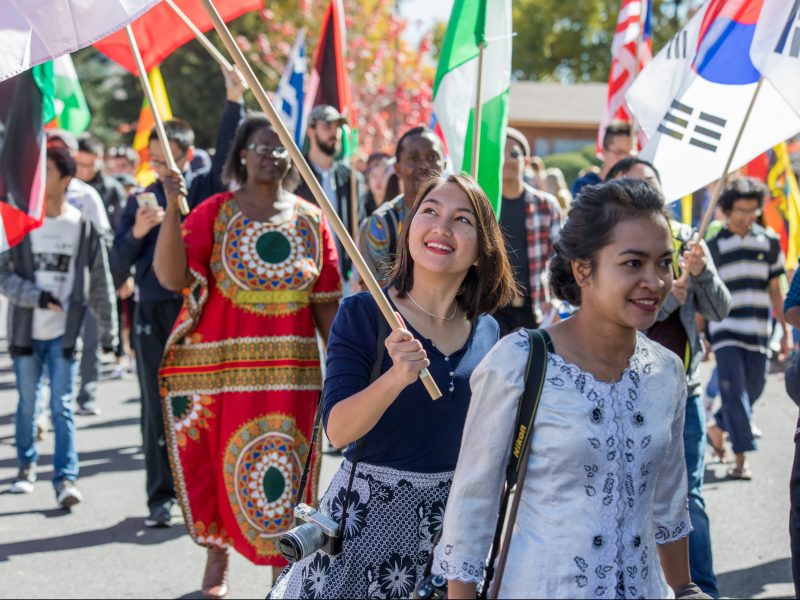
129,252
415,433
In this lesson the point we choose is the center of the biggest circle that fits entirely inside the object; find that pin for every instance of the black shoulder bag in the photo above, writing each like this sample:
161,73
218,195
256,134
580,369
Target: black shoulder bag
430,587
517,460
383,328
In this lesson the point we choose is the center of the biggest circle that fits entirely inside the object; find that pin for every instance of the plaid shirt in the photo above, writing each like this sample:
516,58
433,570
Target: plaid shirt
543,224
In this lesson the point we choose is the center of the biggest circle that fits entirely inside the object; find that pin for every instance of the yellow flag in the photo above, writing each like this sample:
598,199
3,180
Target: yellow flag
783,186
686,209
145,174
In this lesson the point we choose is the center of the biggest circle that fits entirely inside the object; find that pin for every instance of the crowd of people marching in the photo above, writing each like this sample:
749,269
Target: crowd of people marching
229,312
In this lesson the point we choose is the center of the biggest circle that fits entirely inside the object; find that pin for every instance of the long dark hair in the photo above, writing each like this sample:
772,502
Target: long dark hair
595,213
234,171
488,285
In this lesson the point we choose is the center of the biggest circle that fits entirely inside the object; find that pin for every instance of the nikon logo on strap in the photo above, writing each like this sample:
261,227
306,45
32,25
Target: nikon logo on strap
519,442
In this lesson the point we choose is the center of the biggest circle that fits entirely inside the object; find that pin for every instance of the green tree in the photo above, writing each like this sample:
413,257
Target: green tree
570,41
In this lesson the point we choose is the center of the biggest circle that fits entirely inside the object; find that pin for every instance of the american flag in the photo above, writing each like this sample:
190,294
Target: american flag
631,38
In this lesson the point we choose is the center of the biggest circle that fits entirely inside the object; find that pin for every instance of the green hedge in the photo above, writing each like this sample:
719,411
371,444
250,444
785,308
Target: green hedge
572,163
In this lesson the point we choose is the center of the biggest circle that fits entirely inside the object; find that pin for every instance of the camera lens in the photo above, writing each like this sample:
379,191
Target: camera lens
301,542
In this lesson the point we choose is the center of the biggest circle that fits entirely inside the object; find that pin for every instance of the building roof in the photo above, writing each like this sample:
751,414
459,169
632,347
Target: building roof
547,104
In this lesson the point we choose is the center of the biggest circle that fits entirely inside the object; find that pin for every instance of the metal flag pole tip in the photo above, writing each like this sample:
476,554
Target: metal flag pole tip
316,189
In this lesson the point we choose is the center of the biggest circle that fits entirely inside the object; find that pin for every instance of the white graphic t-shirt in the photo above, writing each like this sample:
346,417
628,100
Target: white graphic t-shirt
54,246
86,199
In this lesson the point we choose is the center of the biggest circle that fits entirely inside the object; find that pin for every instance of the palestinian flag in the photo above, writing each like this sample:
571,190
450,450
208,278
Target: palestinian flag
72,111
26,104
329,82
472,23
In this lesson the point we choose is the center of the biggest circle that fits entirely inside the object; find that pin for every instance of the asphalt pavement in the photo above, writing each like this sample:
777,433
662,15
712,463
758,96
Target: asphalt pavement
101,548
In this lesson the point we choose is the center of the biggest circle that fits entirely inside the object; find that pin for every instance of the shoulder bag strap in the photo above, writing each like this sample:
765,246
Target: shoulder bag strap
380,350
518,459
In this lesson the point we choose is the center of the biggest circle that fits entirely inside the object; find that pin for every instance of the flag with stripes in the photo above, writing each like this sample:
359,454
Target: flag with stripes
631,50
26,104
329,82
145,174
692,98
473,22
290,93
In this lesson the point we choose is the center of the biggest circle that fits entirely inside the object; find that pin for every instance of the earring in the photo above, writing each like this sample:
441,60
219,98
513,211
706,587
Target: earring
241,160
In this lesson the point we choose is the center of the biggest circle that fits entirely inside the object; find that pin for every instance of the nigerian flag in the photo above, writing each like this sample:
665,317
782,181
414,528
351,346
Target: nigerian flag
455,88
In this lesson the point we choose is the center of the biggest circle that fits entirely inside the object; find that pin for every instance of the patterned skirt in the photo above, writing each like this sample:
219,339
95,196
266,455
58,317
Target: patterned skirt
392,517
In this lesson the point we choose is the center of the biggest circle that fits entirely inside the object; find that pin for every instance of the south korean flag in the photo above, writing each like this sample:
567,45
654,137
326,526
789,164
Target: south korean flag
691,100
776,48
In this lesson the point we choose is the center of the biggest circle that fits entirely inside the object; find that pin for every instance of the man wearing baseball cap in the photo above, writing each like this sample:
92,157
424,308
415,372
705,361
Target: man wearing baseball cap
324,136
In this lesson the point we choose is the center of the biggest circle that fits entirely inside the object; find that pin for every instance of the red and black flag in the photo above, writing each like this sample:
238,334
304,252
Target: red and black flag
26,104
329,82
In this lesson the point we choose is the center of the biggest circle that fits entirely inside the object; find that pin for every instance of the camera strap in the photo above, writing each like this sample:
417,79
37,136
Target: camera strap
380,350
518,458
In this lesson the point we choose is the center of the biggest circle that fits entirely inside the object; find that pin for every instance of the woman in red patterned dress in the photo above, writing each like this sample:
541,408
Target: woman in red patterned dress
241,372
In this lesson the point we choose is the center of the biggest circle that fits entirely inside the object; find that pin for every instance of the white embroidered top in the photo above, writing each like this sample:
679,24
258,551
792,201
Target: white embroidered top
606,477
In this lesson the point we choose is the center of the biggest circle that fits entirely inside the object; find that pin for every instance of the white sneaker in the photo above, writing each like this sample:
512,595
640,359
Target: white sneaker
67,494
118,372
26,477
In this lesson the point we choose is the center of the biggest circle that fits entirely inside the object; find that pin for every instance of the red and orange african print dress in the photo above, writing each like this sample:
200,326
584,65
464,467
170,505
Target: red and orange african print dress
241,373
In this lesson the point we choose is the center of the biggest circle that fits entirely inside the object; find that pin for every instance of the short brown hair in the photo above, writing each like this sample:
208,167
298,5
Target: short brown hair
487,286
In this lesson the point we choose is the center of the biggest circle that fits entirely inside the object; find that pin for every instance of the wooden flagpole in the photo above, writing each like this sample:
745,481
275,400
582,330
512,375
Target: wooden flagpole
712,205
204,41
354,199
160,131
476,123
311,181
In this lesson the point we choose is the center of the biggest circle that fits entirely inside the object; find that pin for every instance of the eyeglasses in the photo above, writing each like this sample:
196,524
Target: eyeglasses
160,164
756,212
278,152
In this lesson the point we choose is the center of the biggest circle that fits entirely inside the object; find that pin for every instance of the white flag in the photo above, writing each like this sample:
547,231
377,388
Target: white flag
776,48
35,31
692,98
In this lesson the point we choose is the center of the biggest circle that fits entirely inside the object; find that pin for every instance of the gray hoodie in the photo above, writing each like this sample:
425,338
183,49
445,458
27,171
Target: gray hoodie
707,295
92,287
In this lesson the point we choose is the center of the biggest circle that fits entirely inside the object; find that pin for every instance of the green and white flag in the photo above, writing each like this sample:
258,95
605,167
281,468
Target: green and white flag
72,111
456,85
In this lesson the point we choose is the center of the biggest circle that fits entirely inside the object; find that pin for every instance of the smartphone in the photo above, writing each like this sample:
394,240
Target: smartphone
147,199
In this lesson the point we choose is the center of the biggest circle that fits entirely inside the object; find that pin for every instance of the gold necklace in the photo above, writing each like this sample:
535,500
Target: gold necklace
429,313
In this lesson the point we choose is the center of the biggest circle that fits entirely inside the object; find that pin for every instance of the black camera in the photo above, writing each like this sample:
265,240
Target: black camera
431,586
318,532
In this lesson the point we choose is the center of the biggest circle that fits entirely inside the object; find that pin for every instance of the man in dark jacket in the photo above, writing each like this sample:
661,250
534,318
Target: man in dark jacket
157,308
46,278
89,160
324,137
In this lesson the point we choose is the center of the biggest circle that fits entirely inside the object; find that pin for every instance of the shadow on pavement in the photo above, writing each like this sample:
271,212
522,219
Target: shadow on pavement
752,581
103,424
91,463
128,531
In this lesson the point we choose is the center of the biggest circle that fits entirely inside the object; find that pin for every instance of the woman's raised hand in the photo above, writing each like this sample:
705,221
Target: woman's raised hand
407,354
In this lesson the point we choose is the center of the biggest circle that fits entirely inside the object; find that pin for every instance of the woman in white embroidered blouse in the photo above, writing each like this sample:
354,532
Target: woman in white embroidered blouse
603,512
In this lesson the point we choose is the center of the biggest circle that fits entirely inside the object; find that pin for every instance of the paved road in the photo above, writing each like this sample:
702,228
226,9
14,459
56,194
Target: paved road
102,549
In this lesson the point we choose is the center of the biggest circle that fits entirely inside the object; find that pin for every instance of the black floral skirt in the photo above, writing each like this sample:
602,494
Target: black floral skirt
392,517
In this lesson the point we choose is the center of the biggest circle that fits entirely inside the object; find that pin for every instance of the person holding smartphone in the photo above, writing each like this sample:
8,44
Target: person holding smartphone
156,307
